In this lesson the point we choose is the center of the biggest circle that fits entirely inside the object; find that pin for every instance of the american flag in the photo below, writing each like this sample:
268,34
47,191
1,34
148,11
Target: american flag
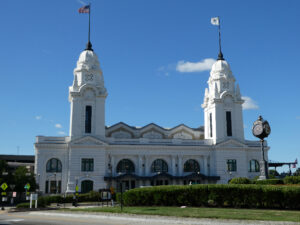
84,9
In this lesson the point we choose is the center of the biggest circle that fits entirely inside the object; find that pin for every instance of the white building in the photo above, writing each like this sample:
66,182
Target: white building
95,157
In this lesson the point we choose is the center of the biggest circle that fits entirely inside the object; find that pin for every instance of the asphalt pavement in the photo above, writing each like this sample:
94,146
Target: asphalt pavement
63,218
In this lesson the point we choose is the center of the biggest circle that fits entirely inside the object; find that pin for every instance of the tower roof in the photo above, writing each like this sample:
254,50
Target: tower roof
221,66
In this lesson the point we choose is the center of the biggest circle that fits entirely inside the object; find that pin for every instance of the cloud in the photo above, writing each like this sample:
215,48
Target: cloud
61,133
189,67
38,117
165,70
58,125
249,103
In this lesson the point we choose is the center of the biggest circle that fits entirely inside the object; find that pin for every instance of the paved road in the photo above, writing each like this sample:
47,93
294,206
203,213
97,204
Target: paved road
55,218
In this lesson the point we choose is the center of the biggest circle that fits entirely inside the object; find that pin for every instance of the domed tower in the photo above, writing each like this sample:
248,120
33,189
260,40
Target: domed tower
87,97
223,114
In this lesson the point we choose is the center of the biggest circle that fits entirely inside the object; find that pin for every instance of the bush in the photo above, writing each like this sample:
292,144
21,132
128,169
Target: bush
218,195
292,180
92,196
240,180
23,205
269,181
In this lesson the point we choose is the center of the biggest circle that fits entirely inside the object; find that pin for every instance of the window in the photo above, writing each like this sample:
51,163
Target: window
159,165
231,165
88,119
53,166
210,125
46,187
253,166
87,165
125,166
228,122
55,186
191,166
87,186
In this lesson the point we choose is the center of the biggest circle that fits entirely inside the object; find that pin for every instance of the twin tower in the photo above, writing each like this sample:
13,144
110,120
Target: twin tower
223,117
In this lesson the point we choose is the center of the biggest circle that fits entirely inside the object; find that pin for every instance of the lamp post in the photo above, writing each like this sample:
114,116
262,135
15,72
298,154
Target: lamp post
261,129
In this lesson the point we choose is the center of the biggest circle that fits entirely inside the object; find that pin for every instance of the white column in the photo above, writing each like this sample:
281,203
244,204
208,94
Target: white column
173,166
205,165
140,165
180,166
112,163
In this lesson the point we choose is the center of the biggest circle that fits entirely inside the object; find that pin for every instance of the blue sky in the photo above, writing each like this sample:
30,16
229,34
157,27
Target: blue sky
140,45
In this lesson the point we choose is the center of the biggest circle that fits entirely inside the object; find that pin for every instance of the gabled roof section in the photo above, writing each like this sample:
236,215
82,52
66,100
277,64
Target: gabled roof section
87,140
152,126
231,143
120,126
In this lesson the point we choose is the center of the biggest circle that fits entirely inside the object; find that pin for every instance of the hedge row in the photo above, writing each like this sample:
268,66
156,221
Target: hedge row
286,180
217,195
292,180
44,201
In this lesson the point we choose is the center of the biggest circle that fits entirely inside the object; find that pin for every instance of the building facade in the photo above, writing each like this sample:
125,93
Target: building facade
95,157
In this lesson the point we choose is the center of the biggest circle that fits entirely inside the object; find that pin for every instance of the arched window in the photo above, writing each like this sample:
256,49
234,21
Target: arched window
159,165
125,166
53,166
86,186
191,166
253,166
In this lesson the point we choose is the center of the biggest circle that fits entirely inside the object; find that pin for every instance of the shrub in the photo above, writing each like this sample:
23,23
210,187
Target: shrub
269,181
240,180
292,180
217,195
23,205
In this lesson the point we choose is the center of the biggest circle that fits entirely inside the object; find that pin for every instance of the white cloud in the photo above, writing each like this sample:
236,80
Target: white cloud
58,125
189,67
61,133
249,103
38,117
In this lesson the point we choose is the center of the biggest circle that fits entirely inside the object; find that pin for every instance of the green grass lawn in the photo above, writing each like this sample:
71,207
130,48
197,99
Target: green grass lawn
217,213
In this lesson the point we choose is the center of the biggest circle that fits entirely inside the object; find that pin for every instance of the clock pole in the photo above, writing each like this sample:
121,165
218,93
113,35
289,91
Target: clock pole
261,129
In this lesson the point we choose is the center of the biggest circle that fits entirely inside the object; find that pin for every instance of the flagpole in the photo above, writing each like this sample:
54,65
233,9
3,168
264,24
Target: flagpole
220,56
89,44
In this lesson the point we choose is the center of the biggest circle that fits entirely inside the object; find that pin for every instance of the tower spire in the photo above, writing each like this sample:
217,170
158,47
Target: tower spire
87,9
217,22
220,56
89,44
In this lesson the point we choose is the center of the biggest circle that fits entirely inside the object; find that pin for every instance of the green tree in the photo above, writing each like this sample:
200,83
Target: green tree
273,174
22,177
297,172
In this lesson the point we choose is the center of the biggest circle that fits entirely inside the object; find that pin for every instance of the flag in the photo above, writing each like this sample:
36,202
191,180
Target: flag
294,165
215,21
84,9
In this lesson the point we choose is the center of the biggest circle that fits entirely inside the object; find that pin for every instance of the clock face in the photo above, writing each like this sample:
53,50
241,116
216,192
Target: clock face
267,129
89,77
257,129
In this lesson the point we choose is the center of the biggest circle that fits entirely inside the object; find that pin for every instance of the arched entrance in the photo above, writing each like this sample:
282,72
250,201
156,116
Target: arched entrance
86,186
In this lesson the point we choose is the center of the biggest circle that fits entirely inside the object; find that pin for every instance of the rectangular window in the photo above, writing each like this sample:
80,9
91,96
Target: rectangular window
87,165
231,165
210,125
53,187
228,122
88,119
